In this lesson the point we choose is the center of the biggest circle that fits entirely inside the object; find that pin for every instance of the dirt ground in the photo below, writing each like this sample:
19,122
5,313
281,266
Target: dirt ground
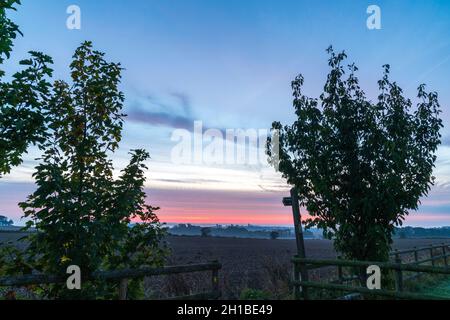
257,264
248,251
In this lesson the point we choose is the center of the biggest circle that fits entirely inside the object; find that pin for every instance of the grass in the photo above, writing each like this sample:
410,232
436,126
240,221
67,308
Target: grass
431,284
437,285
443,289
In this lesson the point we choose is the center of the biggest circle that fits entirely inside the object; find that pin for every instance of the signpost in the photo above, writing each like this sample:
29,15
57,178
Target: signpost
292,201
287,201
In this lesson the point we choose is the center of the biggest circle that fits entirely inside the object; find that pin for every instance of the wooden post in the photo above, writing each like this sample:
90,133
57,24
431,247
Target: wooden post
123,289
299,239
398,277
444,252
340,273
416,255
431,255
215,282
296,278
397,256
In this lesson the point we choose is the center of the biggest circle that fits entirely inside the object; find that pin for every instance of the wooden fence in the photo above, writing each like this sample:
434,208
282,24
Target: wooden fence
122,276
433,254
430,250
399,267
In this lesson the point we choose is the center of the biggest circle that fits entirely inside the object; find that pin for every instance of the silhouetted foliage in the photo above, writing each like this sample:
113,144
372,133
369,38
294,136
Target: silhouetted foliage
5,222
22,120
274,235
416,232
205,232
359,167
81,213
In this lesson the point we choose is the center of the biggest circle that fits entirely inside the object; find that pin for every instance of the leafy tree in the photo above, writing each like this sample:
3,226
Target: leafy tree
274,235
81,213
21,101
359,167
206,232
8,29
402,234
5,222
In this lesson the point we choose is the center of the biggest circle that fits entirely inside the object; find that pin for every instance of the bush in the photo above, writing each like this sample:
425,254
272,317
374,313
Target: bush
254,294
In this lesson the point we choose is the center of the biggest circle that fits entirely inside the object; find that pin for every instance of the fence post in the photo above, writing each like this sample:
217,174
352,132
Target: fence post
340,274
299,239
444,252
123,289
431,255
215,282
416,255
296,278
397,256
398,277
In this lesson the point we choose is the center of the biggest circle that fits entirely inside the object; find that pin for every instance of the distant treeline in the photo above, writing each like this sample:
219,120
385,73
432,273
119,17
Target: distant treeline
263,232
236,231
416,232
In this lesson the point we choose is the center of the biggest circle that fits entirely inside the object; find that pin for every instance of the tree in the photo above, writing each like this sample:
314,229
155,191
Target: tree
274,235
9,30
205,232
358,167
21,101
81,213
5,222
402,234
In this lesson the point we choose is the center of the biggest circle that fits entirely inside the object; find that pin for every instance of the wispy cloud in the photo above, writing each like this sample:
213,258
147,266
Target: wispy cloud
175,112
161,119
189,181
152,111
446,140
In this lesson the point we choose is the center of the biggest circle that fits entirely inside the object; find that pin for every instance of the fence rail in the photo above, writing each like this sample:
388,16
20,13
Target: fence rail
415,249
398,267
444,248
383,293
124,275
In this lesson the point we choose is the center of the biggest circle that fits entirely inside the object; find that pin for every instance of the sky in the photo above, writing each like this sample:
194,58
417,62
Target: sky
229,64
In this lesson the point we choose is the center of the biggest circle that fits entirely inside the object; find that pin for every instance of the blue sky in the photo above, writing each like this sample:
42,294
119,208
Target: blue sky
229,64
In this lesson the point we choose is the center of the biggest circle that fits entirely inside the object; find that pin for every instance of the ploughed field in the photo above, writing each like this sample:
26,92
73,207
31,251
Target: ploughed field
249,266
258,264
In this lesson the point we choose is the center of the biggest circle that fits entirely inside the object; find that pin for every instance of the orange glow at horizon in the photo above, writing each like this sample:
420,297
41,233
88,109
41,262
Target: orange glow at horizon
268,216
255,219
242,208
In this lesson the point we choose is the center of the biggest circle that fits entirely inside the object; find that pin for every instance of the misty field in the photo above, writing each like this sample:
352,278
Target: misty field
251,268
